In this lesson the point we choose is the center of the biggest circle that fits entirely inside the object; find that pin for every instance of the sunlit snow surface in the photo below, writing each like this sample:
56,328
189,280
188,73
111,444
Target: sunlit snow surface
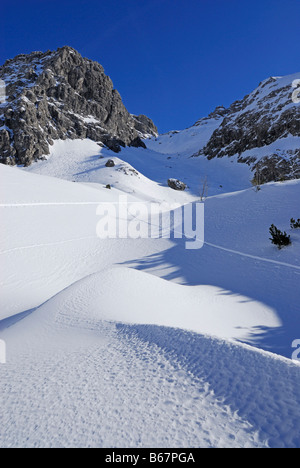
140,342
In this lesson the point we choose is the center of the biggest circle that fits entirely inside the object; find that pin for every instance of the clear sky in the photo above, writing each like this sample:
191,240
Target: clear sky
173,60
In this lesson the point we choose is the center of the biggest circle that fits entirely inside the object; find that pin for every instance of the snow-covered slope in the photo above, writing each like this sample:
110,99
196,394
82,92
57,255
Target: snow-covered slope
262,130
59,223
187,141
143,171
81,380
141,342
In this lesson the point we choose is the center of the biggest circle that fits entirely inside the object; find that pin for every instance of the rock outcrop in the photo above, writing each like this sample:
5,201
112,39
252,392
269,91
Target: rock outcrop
176,184
110,163
60,95
262,130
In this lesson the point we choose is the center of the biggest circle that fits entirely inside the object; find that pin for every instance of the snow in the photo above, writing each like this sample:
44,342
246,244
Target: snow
281,147
141,342
89,119
187,141
276,92
92,388
78,160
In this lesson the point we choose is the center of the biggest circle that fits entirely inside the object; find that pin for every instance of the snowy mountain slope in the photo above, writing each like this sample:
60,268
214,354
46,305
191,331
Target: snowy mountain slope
80,161
48,237
239,257
59,95
262,130
145,299
90,342
52,253
18,187
268,118
187,141
138,386
84,161
129,342
83,384
258,136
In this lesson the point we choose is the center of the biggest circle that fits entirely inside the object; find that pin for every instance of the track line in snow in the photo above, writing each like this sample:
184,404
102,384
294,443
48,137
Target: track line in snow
254,257
219,247
225,249
25,205
50,244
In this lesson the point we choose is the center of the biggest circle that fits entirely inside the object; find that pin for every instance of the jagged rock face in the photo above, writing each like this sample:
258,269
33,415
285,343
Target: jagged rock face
60,95
143,125
262,118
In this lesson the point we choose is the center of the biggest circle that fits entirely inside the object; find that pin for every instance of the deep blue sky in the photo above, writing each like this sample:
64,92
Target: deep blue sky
173,60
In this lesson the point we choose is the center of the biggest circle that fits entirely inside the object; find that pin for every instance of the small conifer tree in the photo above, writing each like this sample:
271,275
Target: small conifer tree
295,224
279,238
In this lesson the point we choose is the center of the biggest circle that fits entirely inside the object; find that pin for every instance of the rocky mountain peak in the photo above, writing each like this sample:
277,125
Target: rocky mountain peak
58,95
262,130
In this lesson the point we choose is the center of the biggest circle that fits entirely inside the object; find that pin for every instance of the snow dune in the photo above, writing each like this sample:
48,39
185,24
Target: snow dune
129,296
118,384
96,387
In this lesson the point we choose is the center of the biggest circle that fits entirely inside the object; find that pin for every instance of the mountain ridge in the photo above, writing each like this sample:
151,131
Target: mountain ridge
261,130
59,95
260,119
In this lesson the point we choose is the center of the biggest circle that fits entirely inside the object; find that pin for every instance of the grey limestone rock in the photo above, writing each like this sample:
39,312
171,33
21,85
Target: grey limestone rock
110,163
176,184
262,118
61,95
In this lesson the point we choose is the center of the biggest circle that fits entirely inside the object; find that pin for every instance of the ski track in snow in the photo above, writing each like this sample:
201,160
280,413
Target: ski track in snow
242,254
254,257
